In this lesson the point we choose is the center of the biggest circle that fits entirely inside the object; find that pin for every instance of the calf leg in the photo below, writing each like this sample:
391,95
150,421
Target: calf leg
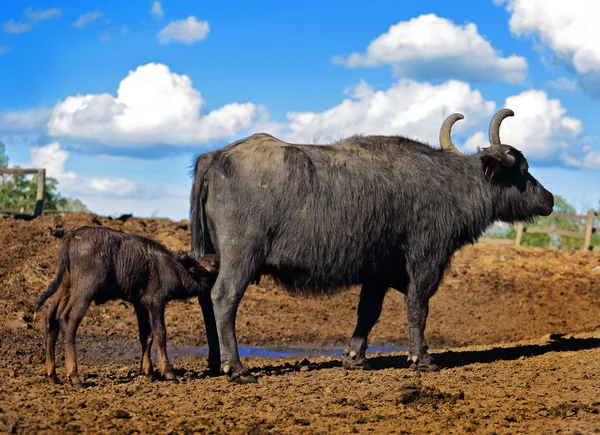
159,331
69,322
212,337
226,296
369,310
52,331
145,334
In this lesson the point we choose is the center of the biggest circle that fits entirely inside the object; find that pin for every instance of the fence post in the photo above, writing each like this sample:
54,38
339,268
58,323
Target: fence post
589,228
41,191
520,229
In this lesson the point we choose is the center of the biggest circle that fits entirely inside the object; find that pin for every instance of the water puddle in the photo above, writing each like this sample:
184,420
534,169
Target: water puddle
286,351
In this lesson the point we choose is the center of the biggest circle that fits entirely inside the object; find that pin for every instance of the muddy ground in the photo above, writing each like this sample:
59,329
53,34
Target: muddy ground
516,330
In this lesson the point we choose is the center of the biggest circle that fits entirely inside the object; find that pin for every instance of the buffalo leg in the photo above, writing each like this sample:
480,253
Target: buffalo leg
212,337
226,296
69,322
369,310
52,332
159,331
145,334
420,289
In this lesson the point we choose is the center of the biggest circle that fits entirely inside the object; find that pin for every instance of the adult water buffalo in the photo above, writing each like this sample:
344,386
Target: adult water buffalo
381,211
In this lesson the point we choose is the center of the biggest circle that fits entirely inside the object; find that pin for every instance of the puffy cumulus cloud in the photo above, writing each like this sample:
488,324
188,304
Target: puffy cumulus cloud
153,106
409,108
157,10
53,158
187,31
24,122
429,47
569,29
543,131
87,18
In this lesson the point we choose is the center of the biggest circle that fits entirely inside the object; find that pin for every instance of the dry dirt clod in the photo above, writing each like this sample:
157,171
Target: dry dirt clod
119,413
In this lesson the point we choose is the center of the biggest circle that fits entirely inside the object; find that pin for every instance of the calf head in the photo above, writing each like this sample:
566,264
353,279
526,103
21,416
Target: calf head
204,270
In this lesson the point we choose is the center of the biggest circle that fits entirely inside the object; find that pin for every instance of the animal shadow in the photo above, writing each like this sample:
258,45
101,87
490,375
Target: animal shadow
447,359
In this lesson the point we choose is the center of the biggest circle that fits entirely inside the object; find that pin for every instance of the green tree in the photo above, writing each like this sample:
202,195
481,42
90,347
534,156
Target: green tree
3,156
19,192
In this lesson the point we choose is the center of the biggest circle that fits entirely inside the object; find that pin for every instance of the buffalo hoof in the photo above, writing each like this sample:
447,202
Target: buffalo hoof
213,372
355,363
423,366
242,378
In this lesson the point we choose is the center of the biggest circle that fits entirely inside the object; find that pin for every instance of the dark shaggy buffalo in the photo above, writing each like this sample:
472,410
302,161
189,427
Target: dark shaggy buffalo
101,264
381,211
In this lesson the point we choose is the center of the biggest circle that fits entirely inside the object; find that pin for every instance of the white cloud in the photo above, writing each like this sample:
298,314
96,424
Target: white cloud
157,10
12,26
570,29
563,84
429,47
187,31
87,18
4,49
24,122
105,195
542,130
408,108
53,158
153,106
36,15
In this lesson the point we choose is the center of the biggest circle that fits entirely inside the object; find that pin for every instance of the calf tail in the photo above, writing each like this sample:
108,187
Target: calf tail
63,265
201,242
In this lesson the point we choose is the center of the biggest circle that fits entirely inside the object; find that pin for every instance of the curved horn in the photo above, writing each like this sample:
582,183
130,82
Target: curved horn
505,159
445,140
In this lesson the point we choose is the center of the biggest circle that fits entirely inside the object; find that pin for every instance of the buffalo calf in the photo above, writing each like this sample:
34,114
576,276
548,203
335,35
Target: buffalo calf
101,264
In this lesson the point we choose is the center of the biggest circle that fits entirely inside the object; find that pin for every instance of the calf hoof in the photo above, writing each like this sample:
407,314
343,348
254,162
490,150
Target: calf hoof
242,378
171,378
52,379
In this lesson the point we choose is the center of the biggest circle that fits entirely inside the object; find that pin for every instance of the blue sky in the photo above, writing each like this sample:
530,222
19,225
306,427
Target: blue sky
116,98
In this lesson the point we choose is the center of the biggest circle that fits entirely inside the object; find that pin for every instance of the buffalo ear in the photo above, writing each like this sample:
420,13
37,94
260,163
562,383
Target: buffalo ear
491,167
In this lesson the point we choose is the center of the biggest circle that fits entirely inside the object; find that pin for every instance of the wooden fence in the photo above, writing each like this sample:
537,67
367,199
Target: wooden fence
521,229
41,189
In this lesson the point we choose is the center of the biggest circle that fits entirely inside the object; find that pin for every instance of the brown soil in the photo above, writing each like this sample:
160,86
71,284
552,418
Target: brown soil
492,308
